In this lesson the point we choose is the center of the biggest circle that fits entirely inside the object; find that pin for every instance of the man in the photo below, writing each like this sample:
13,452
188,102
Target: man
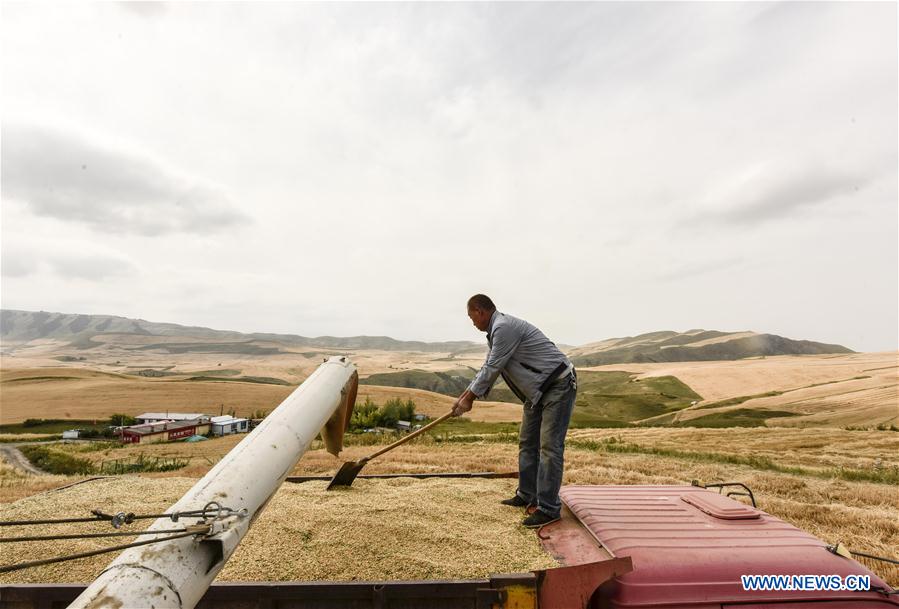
545,381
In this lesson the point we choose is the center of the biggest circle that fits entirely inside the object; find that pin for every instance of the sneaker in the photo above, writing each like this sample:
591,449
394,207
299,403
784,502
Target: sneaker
539,519
515,501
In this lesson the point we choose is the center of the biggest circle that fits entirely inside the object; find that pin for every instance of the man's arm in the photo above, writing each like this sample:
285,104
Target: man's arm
505,342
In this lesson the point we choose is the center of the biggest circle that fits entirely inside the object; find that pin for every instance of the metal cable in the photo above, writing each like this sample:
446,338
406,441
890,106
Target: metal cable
100,517
889,560
88,535
13,523
47,561
122,517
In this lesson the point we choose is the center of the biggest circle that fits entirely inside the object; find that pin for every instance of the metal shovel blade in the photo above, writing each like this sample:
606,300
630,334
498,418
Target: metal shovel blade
349,470
346,474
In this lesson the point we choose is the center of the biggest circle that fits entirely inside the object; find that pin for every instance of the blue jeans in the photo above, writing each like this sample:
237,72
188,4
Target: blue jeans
541,446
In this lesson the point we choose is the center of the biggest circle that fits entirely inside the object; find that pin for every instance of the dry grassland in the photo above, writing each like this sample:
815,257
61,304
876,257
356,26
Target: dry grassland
860,389
721,380
88,394
26,437
874,400
78,393
15,484
806,447
825,390
117,353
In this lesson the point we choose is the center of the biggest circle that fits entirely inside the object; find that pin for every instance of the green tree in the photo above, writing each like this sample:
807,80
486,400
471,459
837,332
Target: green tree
368,414
397,410
121,420
364,415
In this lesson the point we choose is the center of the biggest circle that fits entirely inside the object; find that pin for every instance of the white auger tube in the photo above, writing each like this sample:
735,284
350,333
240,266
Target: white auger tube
178,572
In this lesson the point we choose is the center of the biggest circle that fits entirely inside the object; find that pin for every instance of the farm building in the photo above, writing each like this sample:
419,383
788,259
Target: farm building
71,434
157,417
226,424
165,431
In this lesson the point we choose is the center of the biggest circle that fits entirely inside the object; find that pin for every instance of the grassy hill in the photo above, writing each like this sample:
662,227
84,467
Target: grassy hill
609,399
452,382
605,399
694,345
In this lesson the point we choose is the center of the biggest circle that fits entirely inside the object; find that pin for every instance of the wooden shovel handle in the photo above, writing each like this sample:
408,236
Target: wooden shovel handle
408,437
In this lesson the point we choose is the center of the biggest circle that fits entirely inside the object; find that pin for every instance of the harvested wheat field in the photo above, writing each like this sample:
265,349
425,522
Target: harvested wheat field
858,389
867,400
720,380
78,393
864,450
83,393
375,530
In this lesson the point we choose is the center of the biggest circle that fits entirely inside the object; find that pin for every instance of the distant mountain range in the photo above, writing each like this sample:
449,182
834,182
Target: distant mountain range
694,345
31,325
667,346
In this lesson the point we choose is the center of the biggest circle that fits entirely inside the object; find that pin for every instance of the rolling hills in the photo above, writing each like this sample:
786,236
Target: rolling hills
24,326
694,345
697,378
89,331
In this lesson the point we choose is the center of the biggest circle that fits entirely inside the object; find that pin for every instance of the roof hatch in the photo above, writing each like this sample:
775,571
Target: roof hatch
720,506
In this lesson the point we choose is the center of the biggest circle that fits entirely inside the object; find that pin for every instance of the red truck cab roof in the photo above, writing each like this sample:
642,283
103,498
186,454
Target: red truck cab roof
690,546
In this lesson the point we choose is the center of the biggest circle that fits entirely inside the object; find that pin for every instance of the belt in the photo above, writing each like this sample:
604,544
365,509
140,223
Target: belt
565,373
561,372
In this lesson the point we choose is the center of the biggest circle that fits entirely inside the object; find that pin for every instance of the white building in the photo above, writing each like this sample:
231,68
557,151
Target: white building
71,434
157,417
226,424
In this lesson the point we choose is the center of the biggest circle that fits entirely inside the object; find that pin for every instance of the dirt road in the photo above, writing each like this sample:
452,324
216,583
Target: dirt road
16,459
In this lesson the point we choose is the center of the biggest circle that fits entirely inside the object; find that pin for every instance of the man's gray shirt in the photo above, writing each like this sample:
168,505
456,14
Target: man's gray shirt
522,354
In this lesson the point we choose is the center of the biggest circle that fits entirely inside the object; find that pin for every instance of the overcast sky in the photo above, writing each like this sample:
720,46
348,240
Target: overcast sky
600,169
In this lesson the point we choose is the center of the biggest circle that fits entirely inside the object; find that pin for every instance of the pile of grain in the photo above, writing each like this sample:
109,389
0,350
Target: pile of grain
375,530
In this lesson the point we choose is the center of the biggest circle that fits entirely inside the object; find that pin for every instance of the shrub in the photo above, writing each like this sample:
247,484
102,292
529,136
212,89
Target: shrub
368,414
39,422
56,462
121,420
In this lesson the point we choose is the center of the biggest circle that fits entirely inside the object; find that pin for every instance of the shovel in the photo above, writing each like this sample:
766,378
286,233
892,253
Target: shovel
349,470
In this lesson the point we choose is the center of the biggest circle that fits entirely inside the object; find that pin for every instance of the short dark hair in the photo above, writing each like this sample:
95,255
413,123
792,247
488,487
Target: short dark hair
479,301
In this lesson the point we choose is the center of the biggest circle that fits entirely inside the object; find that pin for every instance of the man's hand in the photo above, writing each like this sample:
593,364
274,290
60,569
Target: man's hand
463,404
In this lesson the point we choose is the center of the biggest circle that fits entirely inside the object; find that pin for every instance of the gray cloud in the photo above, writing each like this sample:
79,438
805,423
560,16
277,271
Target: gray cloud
778,190
65,259
71,178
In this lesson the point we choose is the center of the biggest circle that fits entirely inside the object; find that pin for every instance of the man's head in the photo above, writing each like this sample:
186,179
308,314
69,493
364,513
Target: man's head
480,309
